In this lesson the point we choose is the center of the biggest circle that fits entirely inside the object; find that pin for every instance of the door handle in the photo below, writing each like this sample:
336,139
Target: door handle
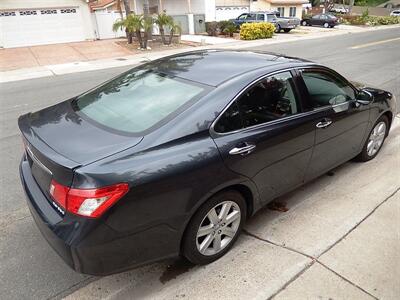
324,123
245,150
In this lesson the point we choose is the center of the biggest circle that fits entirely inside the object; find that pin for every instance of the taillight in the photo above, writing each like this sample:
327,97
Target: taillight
87,202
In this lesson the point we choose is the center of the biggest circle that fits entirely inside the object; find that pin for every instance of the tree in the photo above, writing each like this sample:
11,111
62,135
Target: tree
162,21
146,14
147,26
173,28
133,24
328,5
127,7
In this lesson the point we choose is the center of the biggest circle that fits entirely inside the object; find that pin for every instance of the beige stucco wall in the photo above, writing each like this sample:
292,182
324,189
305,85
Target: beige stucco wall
287,9
83,8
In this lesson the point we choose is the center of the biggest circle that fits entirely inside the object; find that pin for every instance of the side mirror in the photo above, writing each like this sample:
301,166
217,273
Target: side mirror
363,98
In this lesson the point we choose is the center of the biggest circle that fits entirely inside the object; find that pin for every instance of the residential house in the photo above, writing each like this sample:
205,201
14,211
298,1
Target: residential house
36,22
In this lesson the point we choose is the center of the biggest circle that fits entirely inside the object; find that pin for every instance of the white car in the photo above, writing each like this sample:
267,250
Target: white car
340,10
395,13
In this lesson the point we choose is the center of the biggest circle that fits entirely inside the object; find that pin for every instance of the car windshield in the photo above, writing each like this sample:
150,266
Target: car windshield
137,101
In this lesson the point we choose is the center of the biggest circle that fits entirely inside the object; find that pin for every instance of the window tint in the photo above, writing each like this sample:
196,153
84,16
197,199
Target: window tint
271,18
325,89
243,17
316,17
260,17
136,101
251,17
230,120
269,100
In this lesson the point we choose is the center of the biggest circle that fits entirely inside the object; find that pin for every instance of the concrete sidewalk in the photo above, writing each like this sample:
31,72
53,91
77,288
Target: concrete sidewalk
116,56
330,244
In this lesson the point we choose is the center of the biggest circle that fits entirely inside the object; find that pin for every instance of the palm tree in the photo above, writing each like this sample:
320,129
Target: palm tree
133,24
163,20
173,28
147,26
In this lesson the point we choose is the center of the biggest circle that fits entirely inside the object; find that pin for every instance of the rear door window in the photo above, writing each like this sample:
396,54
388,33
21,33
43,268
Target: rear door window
137,101
270,99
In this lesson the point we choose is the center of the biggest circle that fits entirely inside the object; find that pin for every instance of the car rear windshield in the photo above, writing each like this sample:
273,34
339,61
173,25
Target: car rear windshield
137,101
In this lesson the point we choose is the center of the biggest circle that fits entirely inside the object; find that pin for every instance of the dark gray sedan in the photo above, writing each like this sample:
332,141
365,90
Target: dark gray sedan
171,157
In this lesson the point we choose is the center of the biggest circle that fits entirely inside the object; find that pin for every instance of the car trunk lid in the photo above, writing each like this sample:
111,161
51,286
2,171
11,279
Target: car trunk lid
57,141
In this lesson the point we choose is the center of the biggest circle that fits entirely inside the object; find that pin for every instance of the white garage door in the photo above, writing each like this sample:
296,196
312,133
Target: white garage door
40,26
229,12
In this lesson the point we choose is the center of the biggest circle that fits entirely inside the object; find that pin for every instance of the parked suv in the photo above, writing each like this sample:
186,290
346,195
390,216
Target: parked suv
281,23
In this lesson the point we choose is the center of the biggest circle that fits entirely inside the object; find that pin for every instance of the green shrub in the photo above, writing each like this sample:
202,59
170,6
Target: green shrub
227,27
387,20
255,31
212,28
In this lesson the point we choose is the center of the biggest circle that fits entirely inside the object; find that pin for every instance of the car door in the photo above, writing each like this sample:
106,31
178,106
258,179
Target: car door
264,135
340,122
316,20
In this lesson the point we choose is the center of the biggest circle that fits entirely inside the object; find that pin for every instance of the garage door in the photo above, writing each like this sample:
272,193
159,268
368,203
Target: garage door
229,12
40,26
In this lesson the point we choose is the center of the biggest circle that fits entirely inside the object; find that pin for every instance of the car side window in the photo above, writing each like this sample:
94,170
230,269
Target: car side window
260,17
325,89
251,17
316,17
243,17
270,99
230,120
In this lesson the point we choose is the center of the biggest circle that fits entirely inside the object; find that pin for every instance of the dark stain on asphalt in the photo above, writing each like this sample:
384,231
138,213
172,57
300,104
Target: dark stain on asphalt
175,269
277,206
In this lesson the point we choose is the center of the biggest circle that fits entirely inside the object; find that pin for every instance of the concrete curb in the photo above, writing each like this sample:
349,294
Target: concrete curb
132,60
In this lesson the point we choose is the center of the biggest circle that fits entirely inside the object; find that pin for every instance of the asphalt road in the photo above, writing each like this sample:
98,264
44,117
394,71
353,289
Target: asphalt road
28,267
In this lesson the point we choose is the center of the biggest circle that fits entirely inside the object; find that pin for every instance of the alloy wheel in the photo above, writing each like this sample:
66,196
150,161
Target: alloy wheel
376,138
218,228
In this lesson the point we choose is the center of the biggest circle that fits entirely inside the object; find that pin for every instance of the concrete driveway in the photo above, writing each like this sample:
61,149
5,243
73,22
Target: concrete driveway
35,56
339,238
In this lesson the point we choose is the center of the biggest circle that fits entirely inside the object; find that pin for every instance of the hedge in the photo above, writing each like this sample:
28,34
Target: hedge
255,31
365,19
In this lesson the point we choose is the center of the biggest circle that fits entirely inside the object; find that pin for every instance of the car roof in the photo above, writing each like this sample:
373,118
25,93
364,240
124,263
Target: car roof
213,67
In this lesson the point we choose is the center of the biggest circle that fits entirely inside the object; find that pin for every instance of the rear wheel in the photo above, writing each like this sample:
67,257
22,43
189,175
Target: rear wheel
287,30
326,25
304,23
214,228
375,140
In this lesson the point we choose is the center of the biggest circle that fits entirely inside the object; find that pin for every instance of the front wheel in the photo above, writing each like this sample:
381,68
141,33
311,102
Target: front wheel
214,228
326,25
287,30
277,28
304,23
375,140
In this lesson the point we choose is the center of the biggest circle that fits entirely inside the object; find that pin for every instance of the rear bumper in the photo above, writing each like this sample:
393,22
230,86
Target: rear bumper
90,246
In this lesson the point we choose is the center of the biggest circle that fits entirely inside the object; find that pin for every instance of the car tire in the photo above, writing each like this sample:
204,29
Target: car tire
304,23
326,25
287,30
277,28
202,236
375,140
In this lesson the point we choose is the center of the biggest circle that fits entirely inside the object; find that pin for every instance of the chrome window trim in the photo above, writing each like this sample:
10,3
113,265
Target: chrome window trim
215,133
